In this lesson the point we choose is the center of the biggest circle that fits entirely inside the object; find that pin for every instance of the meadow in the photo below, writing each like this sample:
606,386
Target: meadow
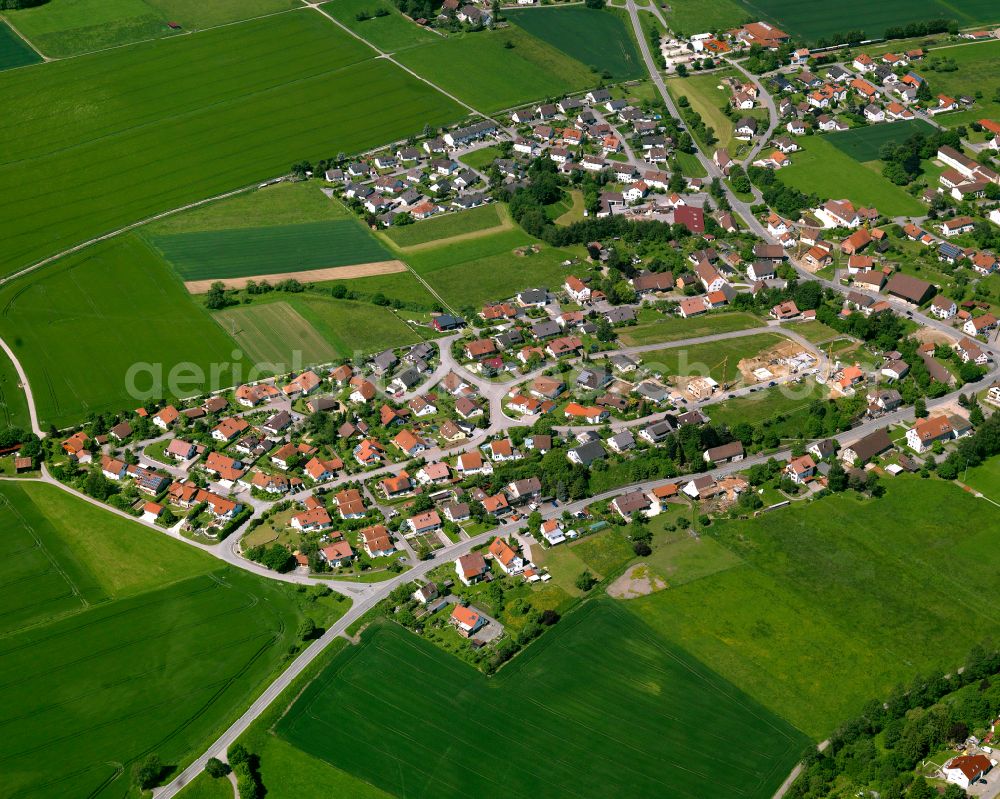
390,33
863,144
984,478
841,599
769,404
687,17
402,286
468,273
482,71
460,223
598,38
707,95
150,646
71,27
317,327
812,21
639,715
823,169
14,52
13,402
655,329
79,329
978,71
716,359
149,132
243,252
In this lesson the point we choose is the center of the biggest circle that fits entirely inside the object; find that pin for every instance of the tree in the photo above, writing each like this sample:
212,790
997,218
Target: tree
307,629
215,299
837,478
586,581
215,768
920,408
146,773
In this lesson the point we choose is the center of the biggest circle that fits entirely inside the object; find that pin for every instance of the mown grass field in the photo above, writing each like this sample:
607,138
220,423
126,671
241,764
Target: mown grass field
839,600
390,33
14,52
673,328
70,27
448,226
132,643
716,359
767,404
318,328
13,401
707,95
78,330
810,21
984,478
978,71
823,169
469,273
627,709
133,131
480,70
402,286
598,38
863,144
273,249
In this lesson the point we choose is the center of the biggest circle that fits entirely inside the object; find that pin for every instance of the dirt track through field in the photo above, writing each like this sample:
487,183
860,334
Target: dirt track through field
308,276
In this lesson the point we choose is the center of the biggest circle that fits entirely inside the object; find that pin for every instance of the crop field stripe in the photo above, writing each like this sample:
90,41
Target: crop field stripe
14,50
864,144
243,252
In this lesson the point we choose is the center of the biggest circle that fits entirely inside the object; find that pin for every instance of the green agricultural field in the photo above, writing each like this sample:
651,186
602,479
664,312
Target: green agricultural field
687,17
984,478
480,70
811,625
319,329
269,332
460,223
600,39
150,133
69,27
14,51
820,168
630,692
136,643
13,402
716,359
811,21
79,329
978,71
864,144
390,33
469,273
280,204
244,252
673,328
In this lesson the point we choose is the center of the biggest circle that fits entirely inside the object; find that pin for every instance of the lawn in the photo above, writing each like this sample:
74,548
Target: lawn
481,158
205,787
390,33
13,402
245,252
820,168
604,552
482,71
716,359
571,208
448,226
303,329
674,328
839,600
150,133
149,646
863,144
769,404
483,269
810,22
985,479
280,204
640,694
14,52
598,38
80,329
69,27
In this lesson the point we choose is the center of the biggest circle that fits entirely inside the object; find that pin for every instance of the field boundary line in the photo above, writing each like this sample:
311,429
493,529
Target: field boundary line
27,41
